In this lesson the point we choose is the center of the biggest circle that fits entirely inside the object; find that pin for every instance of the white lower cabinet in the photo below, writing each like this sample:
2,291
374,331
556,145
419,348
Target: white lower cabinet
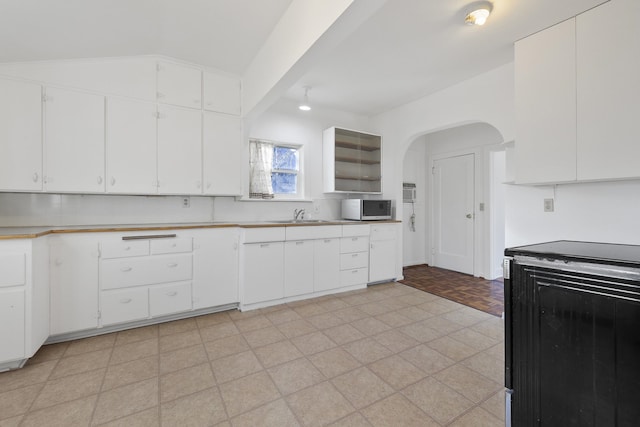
124,305
215,267
74,283
382,253
298,267
354,255
24,300
327,264
263,272
154,280
168,299
12,327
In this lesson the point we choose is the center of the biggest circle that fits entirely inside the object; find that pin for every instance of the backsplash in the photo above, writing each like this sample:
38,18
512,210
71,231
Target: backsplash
29,209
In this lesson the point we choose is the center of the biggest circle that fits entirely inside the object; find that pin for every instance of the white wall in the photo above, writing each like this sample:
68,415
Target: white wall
284,122
487,98
596,212
414,170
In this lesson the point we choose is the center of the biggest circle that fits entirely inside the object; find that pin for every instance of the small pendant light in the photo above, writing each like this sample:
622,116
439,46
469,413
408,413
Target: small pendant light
304,105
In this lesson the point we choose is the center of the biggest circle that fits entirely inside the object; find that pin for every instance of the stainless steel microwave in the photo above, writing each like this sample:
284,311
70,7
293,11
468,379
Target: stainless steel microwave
366,210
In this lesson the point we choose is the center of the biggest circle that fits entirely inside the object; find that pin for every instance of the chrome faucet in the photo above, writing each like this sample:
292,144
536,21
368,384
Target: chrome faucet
298,214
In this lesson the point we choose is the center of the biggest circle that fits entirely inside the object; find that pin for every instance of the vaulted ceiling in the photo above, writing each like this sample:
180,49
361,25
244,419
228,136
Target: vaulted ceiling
407,49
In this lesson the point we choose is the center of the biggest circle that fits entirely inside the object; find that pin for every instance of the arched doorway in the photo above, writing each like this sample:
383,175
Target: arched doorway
472,155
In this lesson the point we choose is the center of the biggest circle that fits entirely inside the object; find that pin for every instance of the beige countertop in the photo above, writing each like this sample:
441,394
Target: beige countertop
7,233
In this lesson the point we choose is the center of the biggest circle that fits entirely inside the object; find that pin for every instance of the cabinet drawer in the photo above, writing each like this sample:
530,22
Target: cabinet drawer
383,232
355,230
355,276
120,273
170,298
354,260
124,305
123,248
171,246
354,244
266,234
12,270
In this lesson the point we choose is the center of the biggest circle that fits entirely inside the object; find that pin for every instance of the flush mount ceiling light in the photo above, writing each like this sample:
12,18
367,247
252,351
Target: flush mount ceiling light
478,14
304,105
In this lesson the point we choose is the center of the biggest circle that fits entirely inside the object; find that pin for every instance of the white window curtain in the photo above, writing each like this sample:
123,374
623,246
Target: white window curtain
260,164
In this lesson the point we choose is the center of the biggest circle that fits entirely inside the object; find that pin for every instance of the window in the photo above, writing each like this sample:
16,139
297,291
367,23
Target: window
274,170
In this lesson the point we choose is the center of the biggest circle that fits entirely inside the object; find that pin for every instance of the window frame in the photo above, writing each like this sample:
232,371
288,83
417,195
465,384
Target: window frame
299,194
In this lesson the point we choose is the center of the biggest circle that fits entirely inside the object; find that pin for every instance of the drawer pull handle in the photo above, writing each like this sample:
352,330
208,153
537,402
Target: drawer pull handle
299,243
354,255
174,245
125,300
172,265
126,269
264,245
354,271
128,248
327,241
151,236
354,239
172,294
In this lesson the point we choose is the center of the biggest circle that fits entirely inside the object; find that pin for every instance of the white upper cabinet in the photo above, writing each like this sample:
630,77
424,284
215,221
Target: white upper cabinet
131,147
545,95
179,150
221,93
222,154
20,136
74,142
179,85
608,47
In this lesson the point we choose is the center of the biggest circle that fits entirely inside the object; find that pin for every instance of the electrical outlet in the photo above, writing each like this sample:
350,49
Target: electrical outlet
548,205
186,202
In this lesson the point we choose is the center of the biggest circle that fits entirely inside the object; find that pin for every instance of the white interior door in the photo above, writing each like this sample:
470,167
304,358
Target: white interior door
453,201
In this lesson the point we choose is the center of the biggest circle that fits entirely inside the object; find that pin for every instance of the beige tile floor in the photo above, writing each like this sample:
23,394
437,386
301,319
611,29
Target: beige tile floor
389,355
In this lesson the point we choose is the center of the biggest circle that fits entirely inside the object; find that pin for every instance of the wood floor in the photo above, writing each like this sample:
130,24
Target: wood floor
481,294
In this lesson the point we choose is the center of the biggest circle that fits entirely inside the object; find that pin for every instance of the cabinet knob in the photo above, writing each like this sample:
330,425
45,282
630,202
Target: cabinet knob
113,181
208,185
35,177
99,180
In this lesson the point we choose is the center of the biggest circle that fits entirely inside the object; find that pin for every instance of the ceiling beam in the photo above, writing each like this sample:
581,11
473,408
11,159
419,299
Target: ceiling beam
307,31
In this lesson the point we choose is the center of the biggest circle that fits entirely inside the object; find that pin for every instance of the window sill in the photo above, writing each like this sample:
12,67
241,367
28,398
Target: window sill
247,199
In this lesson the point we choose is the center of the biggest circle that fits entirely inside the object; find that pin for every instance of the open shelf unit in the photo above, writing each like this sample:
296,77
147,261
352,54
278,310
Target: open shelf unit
352,161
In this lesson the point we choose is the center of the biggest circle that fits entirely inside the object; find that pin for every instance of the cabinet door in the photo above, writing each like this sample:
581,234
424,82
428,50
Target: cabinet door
263,267
179,150
74,142
382,260
74,283
221,93
326,264
131,147
12,325
20,136
222,155
608,42
215,267
545,98
298,267
179,85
